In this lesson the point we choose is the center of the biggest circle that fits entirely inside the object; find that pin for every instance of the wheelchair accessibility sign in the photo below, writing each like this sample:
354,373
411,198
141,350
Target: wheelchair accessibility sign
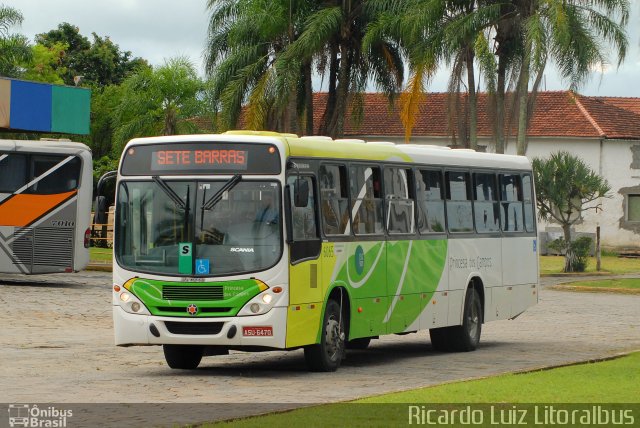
202,266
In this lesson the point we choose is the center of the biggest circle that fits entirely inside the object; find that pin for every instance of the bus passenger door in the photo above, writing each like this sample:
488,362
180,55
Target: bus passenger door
305,288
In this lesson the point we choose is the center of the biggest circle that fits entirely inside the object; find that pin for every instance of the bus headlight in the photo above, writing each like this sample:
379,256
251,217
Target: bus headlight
131,304
260,304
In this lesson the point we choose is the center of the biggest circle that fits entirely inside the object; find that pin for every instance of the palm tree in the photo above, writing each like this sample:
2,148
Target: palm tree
435,33
159,102
566,187
574,34
260,53
14,48
245,39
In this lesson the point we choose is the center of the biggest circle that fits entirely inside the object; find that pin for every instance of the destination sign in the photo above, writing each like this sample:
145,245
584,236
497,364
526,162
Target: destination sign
201,158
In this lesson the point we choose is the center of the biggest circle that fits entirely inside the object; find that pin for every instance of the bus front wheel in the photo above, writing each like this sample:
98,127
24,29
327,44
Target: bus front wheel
360,343
183,356
327,355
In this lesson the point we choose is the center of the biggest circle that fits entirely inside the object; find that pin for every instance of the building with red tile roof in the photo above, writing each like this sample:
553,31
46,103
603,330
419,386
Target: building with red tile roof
603,131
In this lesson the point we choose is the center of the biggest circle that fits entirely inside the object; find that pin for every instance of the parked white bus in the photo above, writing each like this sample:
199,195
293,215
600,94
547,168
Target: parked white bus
45,206
249,240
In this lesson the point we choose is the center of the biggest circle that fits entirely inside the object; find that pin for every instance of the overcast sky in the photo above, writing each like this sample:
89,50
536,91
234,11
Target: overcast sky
160,29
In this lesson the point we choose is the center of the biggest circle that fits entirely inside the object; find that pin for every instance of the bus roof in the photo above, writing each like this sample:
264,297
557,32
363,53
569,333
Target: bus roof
42,145
352,149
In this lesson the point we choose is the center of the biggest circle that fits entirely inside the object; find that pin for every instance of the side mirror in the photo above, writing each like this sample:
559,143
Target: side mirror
301,193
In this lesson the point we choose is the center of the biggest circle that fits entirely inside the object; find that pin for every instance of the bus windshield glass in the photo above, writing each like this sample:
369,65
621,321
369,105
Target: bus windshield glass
172,227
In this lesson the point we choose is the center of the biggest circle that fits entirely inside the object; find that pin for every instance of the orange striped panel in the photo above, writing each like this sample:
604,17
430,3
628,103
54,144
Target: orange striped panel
22,210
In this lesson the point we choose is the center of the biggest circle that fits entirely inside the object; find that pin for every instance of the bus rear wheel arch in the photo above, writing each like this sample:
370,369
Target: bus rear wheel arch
464,337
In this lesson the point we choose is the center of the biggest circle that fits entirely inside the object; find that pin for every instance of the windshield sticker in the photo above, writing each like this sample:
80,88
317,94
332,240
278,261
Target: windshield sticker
202,266
184,258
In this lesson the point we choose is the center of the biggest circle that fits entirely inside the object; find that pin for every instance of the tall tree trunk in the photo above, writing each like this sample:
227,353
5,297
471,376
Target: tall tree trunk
331,96
336,123
473,102
569,256
500,100
308,97
523,103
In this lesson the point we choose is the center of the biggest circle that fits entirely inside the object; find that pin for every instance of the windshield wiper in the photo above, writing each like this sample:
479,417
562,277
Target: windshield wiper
213,200
169,191
176,200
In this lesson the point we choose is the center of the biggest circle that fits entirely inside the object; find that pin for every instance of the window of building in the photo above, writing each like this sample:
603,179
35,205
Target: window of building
633,208
400,206
334,200
486,205
459,209
366,200
430,197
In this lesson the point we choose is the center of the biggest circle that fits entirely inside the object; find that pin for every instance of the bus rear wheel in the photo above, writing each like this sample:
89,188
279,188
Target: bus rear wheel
465,337
185,357
327,355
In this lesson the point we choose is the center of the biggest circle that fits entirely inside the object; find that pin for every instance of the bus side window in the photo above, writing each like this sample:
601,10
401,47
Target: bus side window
400,206
366,200
63,179
486,205
459,211
13,168
511,201
430,195
304,218
529,203
334,200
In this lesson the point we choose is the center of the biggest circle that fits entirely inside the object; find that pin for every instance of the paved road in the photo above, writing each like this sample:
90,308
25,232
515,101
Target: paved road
57,346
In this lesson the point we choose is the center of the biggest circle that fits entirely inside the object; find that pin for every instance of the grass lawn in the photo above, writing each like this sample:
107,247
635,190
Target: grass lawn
603,382
623,285
610,264
100,255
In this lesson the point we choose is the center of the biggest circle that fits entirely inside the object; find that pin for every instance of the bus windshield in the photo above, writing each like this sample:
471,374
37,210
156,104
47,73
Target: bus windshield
237,231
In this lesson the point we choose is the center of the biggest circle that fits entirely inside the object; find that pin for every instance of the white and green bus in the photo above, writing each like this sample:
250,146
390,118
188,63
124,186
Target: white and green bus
257,240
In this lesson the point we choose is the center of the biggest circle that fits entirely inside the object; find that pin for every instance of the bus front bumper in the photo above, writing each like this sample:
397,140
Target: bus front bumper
268,330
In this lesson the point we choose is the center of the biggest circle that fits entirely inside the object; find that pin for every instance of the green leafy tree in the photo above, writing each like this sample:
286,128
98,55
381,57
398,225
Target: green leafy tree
14,48
159,102
98,62
45,64
104,103
565,188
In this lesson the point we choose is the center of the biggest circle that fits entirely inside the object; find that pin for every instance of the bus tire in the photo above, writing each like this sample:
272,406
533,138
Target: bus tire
465,337
327,355
186,357
360,343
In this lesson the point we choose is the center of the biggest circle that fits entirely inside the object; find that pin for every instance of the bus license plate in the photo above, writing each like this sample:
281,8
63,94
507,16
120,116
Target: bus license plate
257,331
